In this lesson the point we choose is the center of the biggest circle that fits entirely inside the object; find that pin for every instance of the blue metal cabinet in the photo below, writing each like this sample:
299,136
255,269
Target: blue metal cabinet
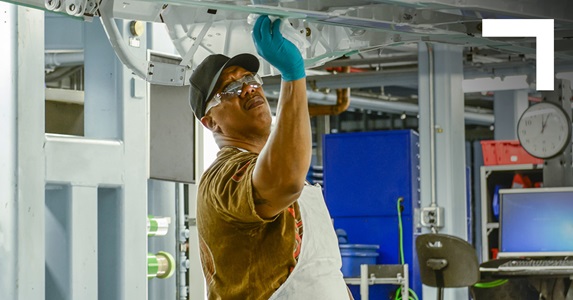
364,175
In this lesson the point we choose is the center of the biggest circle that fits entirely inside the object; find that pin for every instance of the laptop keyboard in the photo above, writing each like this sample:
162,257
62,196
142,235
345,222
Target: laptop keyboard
537,264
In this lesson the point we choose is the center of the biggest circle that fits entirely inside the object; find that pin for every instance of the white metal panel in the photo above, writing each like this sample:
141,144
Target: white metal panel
172,125
84,161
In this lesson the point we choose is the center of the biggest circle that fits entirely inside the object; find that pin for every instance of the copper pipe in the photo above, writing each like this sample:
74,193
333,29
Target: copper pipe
342,103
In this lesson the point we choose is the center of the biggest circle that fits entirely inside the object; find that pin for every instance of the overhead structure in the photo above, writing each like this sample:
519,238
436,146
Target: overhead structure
325,30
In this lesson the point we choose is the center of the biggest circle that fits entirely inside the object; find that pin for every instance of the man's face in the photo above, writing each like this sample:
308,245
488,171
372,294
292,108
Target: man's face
241,115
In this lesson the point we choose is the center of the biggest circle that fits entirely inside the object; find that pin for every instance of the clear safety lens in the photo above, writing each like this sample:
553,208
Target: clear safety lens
234,88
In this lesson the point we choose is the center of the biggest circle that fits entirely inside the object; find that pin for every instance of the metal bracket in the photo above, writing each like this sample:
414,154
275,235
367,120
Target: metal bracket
487,173
384,274
491,226
186,60
432,217
153,72
166,74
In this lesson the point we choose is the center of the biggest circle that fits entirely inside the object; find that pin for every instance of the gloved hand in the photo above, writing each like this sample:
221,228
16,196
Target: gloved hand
277,50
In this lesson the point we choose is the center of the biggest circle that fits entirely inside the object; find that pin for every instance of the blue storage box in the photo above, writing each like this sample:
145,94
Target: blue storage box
354,255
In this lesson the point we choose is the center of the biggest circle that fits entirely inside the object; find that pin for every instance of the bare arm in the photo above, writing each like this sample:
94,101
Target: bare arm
283,163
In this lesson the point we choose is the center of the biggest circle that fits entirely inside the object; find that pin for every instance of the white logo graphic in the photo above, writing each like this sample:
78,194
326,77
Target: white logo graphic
542,30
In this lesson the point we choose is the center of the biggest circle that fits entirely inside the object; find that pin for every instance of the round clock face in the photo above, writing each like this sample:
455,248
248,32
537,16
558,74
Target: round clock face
544,130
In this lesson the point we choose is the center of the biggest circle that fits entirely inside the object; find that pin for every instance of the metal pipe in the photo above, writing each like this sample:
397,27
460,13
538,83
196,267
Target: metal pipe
342,103
61,73
407,77
63,59
432,126
471,117
393,59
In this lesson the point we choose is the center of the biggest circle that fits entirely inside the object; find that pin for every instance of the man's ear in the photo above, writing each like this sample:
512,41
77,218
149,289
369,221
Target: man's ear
210,123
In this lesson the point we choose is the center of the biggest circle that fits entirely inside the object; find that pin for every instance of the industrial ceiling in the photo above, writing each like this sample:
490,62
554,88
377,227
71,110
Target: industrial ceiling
377,39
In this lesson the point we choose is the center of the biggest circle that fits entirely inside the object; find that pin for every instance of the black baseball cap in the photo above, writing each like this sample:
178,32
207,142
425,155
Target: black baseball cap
207,73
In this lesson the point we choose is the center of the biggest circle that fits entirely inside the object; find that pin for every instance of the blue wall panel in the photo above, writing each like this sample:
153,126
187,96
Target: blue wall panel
365,172
364,175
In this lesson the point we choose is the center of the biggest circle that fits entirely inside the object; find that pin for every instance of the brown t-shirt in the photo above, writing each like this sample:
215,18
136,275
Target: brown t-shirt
243,255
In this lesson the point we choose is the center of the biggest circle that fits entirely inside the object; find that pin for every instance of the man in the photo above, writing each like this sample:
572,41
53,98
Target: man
253,205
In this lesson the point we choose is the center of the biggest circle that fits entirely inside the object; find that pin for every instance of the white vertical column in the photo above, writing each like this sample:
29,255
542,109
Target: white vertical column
21,158
507,108
8,151
26,242
83,239
123,105
440,93
31,169
135,135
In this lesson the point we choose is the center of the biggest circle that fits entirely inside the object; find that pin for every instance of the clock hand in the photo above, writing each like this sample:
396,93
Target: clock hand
543,123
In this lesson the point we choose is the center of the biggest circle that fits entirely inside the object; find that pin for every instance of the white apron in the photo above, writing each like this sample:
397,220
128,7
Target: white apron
317,274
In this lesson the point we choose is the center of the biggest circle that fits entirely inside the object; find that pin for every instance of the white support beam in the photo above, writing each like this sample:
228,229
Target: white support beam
8,153
515,82
83,242
83,161
114,110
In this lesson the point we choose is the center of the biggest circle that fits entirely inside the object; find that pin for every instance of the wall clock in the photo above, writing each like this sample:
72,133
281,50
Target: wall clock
544,130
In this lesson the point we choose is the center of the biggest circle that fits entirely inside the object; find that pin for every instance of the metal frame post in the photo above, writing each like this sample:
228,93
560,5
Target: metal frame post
442,140
22,240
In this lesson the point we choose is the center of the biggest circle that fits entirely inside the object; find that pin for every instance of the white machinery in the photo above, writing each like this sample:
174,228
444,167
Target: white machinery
327,29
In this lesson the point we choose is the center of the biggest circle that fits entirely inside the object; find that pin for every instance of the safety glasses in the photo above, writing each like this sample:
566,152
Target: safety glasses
234,88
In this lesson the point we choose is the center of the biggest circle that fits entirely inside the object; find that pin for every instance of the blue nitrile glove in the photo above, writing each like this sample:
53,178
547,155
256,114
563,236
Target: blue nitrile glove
277,50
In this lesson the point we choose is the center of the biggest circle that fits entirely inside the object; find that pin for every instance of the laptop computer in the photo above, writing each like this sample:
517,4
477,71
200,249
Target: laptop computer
536,229
536,222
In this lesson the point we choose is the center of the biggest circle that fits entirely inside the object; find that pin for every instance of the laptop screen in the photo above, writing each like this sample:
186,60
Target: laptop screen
536,222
